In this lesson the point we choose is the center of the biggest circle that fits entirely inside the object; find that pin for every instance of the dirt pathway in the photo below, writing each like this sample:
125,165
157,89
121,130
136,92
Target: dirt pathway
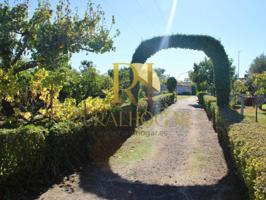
174,156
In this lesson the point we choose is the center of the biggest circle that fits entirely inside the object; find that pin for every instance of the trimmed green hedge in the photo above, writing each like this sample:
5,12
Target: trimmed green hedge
27,150
200,97
20,149
162,101
247,141
30,152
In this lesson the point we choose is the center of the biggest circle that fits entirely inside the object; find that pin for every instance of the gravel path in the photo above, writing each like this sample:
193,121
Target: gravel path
174,156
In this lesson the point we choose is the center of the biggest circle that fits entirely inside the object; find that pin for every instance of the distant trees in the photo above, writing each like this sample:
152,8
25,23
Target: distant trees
260,83
161,74
124,80
202,75
239,87
171,84
255,75
84,83
254,84
258,65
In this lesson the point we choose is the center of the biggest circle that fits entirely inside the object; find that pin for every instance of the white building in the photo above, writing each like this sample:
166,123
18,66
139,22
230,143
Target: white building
184,87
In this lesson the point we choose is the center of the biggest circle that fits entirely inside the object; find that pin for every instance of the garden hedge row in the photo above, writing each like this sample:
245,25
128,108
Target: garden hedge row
200,97
162,101
247,141
35,152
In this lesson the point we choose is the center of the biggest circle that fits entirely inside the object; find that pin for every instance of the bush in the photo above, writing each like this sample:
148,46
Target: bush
31,151
171,84
20,150
247,141
200,97
67,147
210,104
162,101
142,105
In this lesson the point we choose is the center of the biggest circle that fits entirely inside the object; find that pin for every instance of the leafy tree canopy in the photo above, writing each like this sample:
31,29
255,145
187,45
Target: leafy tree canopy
203,75
171,84
35,51
161,74
239,87
48,37
260,83
258,65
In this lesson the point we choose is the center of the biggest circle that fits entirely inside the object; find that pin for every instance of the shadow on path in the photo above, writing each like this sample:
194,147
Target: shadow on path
99,179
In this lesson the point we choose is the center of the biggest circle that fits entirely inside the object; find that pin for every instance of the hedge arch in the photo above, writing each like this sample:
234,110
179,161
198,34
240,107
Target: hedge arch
209,45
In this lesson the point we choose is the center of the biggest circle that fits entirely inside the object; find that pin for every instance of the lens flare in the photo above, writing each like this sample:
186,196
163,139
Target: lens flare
165,40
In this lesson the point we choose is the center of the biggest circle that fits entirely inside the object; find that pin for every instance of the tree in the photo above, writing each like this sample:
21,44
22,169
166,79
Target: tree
239,87
87,82
171,84
260,83
124,77
92,82
203,75
48,38
161,74
260,87
258,65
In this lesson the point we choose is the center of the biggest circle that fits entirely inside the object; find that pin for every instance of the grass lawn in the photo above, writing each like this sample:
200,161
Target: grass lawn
249,113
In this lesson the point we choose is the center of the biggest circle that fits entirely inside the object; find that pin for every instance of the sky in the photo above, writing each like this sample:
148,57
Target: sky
240,25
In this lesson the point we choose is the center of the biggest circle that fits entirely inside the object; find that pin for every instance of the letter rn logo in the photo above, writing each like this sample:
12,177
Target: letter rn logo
142,73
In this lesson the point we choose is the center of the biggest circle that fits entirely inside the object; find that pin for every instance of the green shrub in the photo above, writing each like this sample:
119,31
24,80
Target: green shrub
200,97
33,151
162,101
142,105
67,146
20,150
171,84
209,103
247,141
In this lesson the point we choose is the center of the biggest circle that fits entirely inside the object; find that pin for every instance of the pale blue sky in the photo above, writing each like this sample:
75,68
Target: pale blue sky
239,24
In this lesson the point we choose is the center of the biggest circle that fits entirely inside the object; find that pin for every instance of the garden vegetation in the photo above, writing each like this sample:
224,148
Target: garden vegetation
247,142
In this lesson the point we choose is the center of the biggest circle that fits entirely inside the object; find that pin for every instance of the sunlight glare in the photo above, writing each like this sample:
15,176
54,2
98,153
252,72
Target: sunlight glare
165,40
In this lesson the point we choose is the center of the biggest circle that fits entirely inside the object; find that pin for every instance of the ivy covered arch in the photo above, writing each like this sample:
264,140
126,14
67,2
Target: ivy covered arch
210,46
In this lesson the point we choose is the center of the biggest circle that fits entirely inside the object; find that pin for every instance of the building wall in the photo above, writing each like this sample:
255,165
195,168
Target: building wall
183,89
